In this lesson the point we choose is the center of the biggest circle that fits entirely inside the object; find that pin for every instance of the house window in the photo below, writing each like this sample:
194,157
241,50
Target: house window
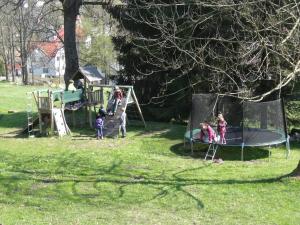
57,58
45,70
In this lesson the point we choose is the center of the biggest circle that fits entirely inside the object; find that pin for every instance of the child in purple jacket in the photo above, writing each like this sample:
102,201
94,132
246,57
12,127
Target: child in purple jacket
99,124
207,134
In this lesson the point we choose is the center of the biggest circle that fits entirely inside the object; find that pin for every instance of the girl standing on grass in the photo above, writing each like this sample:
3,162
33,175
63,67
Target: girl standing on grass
99,124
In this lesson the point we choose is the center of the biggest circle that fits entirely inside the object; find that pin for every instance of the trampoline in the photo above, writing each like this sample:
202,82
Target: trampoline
249,124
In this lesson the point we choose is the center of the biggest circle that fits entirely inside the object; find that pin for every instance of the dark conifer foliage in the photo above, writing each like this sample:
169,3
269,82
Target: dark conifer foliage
170,49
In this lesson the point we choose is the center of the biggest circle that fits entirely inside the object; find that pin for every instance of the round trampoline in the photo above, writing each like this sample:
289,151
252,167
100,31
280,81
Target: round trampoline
248,123
249,137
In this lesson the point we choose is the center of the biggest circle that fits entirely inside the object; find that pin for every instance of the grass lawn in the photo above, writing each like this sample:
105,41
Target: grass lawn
147,178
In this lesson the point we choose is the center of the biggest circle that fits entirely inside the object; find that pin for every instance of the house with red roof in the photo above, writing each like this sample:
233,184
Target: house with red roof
47,59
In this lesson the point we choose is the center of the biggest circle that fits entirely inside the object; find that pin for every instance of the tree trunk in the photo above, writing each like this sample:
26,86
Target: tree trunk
12,65
32,71
70,14
24,66
4,54
6,69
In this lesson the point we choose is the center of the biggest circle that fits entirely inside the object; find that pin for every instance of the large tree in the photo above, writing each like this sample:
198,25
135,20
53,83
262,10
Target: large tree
244,48
70,12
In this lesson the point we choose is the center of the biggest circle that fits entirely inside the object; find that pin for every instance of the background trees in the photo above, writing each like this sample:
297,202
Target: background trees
98,48
171,48
32,21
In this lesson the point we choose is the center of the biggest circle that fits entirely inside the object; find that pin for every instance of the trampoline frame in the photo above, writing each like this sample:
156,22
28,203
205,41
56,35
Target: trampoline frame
193,141
216,145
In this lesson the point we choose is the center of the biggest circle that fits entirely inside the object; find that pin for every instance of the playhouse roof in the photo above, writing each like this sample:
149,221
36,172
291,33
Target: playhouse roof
91,73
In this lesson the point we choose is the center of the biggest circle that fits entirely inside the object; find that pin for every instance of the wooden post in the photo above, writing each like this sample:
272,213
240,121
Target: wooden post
51,111
35,99
86,98
39,111
73,119
138,106
101,96
90,108
127,97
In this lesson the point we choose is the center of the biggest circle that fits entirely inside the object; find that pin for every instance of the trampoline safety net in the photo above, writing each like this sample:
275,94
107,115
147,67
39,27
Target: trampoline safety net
248,123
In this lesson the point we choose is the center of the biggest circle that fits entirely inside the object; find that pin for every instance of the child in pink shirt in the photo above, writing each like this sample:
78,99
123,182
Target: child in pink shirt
222,128
207,134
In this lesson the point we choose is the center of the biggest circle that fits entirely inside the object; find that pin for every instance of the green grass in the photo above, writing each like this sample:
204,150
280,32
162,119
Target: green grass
147,178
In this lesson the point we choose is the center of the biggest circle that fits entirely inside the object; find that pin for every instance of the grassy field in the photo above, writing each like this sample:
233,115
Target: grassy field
147,178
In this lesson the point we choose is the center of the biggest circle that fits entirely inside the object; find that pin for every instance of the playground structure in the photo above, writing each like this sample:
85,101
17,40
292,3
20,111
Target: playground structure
249,123
51,105
111,123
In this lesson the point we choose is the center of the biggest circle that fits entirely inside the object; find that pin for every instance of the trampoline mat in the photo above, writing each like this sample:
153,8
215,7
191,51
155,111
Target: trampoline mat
252,137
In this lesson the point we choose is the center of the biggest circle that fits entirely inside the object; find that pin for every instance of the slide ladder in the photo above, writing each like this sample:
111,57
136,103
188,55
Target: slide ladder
60,122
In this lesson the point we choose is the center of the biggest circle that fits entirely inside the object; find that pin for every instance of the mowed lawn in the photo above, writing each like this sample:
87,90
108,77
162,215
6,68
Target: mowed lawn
147,178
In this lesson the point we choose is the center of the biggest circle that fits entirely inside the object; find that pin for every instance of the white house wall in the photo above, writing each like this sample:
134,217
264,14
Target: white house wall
39,64
60,62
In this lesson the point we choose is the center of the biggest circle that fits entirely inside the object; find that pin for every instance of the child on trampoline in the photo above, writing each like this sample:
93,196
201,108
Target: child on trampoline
99,124
221,122
207,134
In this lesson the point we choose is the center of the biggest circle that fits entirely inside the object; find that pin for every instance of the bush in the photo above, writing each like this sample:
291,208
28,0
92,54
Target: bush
293,114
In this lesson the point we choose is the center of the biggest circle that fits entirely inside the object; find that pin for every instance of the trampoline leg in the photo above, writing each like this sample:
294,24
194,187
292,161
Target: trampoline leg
288,147
192,147
269,149
242,153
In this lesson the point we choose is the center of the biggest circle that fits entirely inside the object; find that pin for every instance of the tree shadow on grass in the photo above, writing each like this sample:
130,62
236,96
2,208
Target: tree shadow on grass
295,146
16,120
44,177
225,153
16,123
158,130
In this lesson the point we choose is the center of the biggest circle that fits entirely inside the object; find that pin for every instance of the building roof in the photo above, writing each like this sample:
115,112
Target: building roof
91,73
50,49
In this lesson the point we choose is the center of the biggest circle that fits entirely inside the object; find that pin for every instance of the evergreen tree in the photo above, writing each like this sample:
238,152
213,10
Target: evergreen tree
170,49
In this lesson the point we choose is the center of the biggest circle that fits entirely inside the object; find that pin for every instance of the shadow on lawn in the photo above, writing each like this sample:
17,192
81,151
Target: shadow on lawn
226,153
17,122
50,177
158,130
13,120
13,124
